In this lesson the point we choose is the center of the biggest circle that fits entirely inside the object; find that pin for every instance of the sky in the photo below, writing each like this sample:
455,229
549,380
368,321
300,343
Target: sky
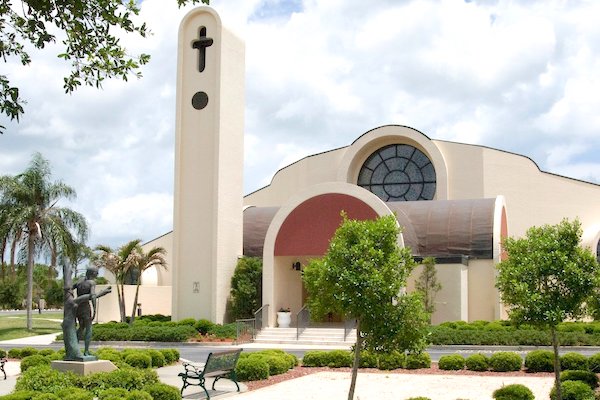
521,76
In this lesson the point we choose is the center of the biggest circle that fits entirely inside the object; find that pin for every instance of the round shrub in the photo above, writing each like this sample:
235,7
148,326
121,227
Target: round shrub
513,392
504,361
573,390
75,393
46,352
418,360
28,351
170,355
452,362
158,359
278,364
112,394
314,358
138,395
203,326
163,392
418,398
3,353
128,379
368,359
539,361
594,363
187,321
393,360
252,369
590,378
573,361
109,354
45,396
14,353
139,360
477,362
338,359
32,361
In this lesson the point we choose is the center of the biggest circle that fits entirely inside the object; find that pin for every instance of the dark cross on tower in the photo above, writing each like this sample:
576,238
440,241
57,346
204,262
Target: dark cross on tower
201,44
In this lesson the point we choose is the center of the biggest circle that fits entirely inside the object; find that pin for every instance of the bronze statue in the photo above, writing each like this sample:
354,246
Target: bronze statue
78,308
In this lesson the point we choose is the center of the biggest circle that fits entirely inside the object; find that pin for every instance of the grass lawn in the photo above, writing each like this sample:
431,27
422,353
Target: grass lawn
15,326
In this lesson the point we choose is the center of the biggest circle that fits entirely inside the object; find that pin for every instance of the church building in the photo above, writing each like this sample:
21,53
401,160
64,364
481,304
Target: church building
453,201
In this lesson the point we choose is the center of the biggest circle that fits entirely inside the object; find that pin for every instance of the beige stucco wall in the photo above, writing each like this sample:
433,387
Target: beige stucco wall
484,304
288,285
160,276
154,300
451,302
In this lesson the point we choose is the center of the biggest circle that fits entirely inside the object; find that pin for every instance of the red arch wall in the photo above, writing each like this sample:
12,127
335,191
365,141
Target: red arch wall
309,227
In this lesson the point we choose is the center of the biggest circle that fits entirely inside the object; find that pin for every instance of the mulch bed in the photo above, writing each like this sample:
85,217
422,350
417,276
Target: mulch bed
434,370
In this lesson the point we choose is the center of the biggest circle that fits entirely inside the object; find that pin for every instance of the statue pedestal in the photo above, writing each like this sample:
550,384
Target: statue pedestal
83,367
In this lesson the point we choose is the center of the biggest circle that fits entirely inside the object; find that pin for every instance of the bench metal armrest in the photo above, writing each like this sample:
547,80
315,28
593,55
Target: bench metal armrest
193,369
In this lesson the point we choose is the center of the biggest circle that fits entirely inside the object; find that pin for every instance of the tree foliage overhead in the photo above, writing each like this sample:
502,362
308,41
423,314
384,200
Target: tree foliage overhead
362,276
548,278
91,42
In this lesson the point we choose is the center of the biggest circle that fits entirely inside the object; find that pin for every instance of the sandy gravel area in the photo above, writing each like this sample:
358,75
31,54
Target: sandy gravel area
395,386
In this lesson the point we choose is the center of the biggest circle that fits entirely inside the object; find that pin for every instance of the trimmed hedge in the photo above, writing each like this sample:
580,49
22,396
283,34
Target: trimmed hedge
163,392
477,362
252,369
451,362
587,377
504,361
33,361
389,361
573,390
418,360
574,361
148,333
513,392
539,361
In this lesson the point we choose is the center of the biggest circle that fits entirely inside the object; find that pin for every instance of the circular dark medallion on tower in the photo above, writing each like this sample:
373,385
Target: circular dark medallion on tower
398,172
199,100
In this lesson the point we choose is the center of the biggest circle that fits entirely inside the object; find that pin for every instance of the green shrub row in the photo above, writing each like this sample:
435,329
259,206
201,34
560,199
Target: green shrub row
137,358
505,325
502,361
116,332
503,334
543,361
343,358
155,328
42,382
262,364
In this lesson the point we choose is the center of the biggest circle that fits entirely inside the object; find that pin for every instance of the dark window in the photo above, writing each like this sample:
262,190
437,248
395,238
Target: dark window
399,172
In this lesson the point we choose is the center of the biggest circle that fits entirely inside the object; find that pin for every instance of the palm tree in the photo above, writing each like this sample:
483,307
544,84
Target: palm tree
30,203
119,262
155,257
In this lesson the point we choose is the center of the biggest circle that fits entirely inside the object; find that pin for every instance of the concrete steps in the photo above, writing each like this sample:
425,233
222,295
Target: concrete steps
310,336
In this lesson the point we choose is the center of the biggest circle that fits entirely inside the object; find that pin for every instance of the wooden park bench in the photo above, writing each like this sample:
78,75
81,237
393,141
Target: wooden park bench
2,362
218,365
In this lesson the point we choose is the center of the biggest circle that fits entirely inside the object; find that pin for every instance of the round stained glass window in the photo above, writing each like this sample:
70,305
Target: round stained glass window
398,172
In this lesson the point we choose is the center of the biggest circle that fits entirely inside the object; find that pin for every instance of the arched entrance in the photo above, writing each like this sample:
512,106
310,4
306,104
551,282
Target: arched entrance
301,230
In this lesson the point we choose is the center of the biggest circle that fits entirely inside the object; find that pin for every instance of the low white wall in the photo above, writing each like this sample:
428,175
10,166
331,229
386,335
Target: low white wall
154,300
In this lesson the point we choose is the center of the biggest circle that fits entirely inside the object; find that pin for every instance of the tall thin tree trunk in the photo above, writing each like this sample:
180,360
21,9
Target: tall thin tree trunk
122,304
13,251
29,301
135,300
356,363
556,364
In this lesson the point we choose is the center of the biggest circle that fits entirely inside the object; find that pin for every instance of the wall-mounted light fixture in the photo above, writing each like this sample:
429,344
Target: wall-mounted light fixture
297,266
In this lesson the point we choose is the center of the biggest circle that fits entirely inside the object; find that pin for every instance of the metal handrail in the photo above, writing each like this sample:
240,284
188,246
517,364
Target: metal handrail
258,316
349,324
241,329
302,320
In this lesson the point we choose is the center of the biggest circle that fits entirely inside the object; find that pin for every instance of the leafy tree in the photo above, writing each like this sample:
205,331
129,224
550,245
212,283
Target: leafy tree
11,293
428,285
547,279
89,35
30,206
246,288
362,276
